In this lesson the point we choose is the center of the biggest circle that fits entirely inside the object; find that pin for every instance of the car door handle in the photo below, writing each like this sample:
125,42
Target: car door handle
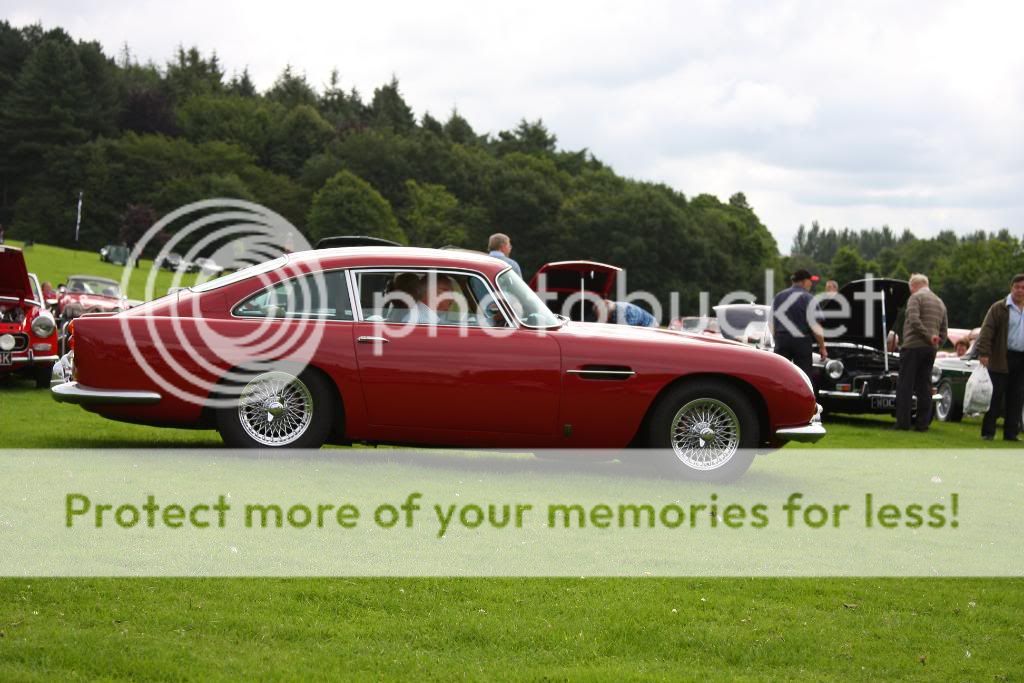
372,340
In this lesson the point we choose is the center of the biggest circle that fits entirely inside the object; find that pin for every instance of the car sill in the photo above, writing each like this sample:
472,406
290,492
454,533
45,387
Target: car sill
73,392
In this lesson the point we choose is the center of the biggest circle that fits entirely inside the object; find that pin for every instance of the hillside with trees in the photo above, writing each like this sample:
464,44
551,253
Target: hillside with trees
140,140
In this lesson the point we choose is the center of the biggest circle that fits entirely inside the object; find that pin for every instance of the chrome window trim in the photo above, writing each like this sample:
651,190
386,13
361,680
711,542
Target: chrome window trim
348,284
562,319
358,304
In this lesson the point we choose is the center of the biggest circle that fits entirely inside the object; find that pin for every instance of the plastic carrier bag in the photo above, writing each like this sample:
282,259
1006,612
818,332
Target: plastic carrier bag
978,393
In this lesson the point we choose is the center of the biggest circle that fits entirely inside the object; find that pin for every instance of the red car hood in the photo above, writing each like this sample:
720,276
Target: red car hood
91,302
648,333
14,274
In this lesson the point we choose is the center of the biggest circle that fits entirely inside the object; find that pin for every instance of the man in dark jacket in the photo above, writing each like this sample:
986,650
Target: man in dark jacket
924,327
796,324
1001,350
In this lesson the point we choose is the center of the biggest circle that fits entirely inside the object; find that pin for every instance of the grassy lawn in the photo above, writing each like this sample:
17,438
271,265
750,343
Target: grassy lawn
608,629
55,264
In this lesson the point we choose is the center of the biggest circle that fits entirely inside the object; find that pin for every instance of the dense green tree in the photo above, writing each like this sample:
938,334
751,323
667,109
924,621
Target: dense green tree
847,265
343,110
432,217
388,110
292,90
298,136
190,74
458,129
250,122
348,205
241,85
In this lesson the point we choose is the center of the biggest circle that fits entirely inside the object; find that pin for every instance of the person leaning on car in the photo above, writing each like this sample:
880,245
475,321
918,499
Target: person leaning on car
793,327
1001,350
924,327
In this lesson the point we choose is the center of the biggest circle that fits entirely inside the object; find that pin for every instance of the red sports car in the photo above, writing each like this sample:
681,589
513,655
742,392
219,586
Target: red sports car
429,347
28,333
89,294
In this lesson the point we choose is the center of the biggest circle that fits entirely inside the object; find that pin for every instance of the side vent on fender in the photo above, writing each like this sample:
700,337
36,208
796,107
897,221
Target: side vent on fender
607,373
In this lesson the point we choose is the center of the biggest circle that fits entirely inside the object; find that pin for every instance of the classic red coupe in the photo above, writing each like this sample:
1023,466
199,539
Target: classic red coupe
427,347
28,333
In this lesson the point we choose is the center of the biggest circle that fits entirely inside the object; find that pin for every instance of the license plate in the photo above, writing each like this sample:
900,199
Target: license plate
5,358
883,402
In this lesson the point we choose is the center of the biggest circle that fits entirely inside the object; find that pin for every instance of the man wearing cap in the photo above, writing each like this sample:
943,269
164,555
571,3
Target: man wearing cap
795,322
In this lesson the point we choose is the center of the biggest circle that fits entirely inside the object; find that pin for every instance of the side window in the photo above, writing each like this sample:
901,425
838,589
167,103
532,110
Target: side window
322,296
427,297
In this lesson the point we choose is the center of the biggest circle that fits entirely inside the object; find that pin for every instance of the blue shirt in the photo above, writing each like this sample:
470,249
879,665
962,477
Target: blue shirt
631,314
501,257
1015,329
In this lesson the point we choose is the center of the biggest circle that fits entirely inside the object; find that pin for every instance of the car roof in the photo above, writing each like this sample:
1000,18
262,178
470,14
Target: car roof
400,257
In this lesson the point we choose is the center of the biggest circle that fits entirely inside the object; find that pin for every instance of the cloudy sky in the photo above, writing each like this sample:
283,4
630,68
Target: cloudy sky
853,114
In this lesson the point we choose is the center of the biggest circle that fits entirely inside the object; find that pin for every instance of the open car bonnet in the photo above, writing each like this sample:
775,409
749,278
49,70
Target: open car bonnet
14,274
562,279
874,306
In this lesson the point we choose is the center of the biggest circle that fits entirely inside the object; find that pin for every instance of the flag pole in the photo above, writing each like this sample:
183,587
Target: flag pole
78,220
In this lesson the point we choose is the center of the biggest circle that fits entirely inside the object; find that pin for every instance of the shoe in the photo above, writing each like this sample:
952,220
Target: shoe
986,437
1011,438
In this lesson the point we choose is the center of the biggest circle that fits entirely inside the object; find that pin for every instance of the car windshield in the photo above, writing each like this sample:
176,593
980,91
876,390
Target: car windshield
525,303
99,287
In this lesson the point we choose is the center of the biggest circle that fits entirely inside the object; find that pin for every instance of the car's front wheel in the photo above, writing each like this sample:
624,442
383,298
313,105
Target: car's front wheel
947,409
278,409
705,430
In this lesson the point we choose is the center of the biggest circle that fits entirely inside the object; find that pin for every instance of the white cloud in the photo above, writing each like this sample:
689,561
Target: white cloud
850,113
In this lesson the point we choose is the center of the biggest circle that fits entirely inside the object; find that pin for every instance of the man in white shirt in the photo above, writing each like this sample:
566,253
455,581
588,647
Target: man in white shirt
500,246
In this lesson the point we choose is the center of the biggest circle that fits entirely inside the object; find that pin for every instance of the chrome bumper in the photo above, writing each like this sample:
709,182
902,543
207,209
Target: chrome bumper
808,433
852,395
73,392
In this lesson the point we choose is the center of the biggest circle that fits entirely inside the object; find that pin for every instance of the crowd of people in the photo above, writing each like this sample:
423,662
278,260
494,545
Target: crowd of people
796,323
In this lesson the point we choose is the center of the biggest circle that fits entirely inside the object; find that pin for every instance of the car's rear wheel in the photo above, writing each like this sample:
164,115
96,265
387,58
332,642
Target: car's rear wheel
705,430
947,409
278,409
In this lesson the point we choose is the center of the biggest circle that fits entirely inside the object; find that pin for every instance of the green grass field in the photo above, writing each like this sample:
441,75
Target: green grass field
55,264
605,629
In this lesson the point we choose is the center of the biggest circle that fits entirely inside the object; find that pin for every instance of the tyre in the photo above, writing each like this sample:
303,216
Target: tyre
948,409
279,409
42,376
705,430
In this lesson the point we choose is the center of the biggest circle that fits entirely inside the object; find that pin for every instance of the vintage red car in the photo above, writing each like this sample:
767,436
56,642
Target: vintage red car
28,333
89,294
327,345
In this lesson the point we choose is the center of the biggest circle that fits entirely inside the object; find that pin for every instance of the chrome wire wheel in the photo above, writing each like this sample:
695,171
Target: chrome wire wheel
705,434
945,404
275,408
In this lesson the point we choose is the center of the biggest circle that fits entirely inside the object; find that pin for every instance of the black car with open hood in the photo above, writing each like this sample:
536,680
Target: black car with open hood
860,373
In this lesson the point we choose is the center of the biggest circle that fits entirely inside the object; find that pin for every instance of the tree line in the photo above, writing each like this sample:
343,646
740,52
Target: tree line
140,140
968,272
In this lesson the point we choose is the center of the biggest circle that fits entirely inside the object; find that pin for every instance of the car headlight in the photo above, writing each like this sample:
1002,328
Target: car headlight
834,369
43,326
936,374
7,342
